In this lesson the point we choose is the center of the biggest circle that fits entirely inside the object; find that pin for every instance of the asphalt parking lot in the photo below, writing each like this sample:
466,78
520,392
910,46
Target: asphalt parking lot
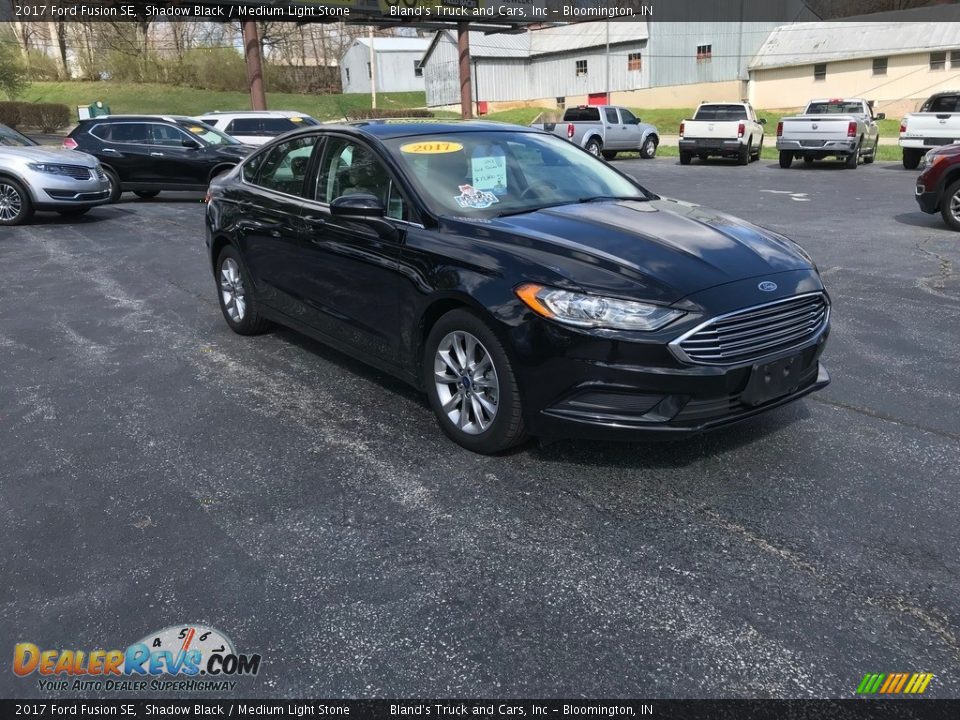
158,469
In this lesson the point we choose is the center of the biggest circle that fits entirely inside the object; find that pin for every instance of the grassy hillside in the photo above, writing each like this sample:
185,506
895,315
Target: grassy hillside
148,98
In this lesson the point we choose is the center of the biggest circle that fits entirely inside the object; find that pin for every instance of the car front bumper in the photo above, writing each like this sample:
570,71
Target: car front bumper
57,191
605,389
928,200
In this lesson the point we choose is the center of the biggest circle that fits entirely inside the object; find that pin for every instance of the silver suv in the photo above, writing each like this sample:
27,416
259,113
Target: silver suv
34,177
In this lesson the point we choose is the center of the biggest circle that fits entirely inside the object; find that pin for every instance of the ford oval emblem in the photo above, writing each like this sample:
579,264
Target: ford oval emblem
767,286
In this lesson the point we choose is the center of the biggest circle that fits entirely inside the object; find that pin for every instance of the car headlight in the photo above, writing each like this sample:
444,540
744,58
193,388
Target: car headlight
48,168
594,311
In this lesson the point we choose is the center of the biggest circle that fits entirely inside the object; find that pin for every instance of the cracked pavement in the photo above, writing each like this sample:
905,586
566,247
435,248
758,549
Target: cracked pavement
157,469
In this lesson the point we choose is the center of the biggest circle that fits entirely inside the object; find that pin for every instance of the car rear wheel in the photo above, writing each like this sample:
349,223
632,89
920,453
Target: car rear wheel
471,384
853,159
649,149
237,302
786,159
593,147
743,158
685,158
114,180
950,206
146,194
911,158
758,153
15,205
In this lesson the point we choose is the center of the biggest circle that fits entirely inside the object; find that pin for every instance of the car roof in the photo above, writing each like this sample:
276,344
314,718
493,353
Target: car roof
411,127
252,113
145,118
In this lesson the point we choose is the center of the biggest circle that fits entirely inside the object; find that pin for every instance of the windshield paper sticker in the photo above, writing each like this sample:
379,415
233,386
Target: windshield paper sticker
490,173
431,147
471,197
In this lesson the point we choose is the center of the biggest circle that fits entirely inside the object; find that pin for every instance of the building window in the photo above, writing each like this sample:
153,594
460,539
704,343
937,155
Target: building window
955,59
561,103
581,67
417,70
880,66
820,71
704,53
634,62
938,60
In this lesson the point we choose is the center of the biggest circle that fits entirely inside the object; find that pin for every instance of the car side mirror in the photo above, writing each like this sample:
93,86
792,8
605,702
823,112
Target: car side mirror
191,144
881,116
355,205
762,121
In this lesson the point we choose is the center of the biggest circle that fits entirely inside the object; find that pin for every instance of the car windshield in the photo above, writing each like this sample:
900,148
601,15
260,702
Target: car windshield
10,137
488,174
209,135
834,108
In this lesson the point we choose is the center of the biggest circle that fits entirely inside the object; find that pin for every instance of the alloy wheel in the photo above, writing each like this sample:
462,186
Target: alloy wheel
10,202
231,289
955,206
466,382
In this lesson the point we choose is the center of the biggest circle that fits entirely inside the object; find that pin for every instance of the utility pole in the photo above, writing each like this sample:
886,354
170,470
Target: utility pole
251,51
373,70
463,47
607,58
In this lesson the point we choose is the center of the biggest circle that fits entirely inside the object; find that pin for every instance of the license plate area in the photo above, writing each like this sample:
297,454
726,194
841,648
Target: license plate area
769,381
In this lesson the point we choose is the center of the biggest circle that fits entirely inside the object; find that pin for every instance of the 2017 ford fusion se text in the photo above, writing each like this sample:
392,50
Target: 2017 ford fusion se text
528,287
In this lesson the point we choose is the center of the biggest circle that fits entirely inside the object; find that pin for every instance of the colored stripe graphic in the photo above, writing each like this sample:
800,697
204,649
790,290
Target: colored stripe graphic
894,683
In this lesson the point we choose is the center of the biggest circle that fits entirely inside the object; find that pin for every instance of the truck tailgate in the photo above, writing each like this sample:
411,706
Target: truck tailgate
814,130
933,128
712,129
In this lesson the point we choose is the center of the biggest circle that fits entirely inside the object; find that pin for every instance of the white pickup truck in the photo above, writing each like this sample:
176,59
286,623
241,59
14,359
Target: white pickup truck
844,128
936,123
725,129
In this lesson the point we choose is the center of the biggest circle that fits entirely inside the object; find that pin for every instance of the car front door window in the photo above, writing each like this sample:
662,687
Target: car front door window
350,168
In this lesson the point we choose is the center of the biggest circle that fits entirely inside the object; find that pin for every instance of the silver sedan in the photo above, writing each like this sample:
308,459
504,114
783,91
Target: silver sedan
34,177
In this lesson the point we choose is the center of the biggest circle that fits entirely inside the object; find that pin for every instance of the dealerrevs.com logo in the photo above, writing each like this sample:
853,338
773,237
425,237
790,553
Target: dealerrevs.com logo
177,658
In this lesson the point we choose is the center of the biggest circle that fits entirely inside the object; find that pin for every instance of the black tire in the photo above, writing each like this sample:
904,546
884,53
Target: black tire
808,159
648,150
73,212
609,154
950,206
685,157
146,194
853,159
911,158
758,153
248,321
743,157
506,427
786,158
593,147
873,153
114,180
16,207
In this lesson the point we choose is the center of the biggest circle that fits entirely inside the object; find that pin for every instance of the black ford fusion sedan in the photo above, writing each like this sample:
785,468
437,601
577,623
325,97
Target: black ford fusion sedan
528,287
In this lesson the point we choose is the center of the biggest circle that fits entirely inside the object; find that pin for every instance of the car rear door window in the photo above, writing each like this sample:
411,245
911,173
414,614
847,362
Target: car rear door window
611,114
245,126
132,133
284,168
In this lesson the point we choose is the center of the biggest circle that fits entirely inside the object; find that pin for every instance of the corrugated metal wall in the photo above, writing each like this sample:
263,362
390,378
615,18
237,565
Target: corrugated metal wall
395,70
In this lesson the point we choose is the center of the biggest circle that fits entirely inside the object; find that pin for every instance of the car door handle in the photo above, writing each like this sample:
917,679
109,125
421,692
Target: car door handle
272,229
315,221
155,154
110,150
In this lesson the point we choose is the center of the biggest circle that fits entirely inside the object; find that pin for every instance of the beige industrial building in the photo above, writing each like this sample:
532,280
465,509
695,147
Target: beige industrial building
895,64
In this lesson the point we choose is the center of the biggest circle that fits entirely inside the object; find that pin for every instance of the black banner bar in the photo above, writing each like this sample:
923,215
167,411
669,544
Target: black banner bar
854,709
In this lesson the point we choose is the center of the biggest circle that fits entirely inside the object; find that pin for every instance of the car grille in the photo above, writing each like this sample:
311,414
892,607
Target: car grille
77,172
754,333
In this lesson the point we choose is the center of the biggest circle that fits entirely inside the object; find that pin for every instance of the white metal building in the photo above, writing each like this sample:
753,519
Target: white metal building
897,63
397,63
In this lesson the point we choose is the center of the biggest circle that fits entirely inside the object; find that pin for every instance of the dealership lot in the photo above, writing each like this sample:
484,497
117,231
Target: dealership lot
158,469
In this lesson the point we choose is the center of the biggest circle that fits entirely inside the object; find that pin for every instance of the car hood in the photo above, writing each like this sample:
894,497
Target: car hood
41,153
660,250
239,151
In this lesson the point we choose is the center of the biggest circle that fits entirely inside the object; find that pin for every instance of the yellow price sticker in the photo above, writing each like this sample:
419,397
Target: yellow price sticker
431,147
296,119
197,130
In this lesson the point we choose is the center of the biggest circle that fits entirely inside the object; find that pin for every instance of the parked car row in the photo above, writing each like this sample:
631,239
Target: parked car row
605,130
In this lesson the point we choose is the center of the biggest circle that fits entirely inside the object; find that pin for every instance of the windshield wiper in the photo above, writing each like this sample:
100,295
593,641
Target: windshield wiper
521,211
594,198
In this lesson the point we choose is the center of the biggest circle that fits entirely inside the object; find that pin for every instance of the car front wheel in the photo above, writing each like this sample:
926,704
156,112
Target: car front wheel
237,302
15,205
950,206
471,384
